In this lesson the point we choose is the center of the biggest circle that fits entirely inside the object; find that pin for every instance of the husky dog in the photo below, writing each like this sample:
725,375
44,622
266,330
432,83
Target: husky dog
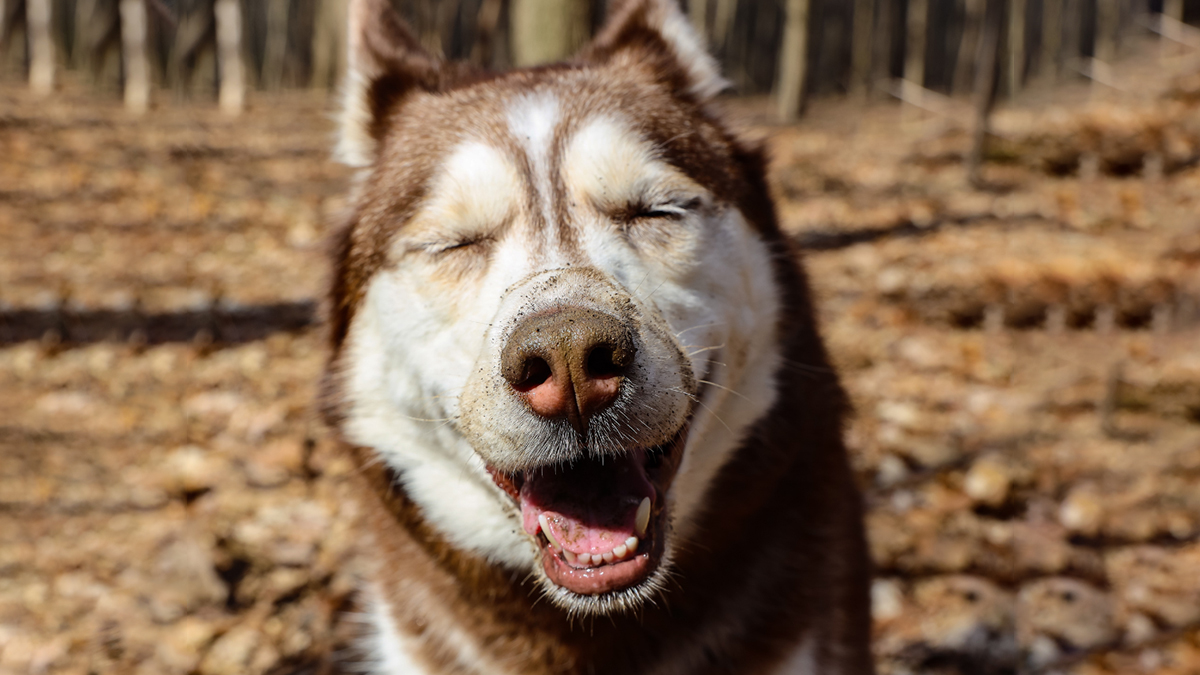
577,363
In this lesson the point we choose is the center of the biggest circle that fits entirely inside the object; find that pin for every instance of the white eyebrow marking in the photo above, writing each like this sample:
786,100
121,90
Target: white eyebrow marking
610,164
532,119
476,191
478,183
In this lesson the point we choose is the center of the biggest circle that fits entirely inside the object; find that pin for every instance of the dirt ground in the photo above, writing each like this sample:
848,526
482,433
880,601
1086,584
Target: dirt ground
1023,358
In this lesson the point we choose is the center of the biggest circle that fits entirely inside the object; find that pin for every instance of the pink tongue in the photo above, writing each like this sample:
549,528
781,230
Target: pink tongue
590,507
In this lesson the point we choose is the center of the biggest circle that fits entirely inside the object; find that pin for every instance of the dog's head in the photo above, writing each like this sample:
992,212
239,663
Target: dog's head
554,310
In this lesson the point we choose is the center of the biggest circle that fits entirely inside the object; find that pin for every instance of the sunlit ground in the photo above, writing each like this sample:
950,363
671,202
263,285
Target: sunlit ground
1023,358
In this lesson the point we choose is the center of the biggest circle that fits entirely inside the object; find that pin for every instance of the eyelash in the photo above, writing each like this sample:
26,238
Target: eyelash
438,249
658,213
667,211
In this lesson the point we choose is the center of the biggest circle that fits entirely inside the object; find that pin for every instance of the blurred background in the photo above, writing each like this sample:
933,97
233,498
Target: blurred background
997,201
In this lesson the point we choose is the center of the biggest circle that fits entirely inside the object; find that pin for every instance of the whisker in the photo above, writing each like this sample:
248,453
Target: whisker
806,368
635,290
705,349
714,414
721,386
703,325
647,298
437,396
376,458
422,419
677,390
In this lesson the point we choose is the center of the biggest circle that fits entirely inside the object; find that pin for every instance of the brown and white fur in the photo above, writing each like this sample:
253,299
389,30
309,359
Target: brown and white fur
607,190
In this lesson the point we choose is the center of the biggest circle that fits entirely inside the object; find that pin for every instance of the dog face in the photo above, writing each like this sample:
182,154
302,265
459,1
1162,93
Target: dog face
553,316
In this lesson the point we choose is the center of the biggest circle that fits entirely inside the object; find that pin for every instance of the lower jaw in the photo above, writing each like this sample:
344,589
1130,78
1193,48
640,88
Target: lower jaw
601,579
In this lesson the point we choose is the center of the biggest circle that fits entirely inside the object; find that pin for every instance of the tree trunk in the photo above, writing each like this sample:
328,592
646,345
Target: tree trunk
793,61
968,48
444,18
328,43
425,24
231,96
487,19
12,40
81,35
192,50
985,88
698,12
1072,32
723,21
1173,9
917,23
1016,45
41,45
1052,16
883,37
863,43
544,31
1108,16
275,50
133,55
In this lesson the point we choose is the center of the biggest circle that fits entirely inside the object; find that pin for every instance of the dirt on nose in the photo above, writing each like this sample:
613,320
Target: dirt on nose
568,362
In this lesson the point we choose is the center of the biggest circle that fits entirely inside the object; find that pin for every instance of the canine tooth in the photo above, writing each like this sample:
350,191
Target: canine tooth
631,544
546,531
620,551
597,559
608,557
643,516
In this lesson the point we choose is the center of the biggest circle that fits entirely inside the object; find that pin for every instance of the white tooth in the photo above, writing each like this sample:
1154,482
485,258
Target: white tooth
608,557
631,544
597,559
568,556
620,551
546,531
643,516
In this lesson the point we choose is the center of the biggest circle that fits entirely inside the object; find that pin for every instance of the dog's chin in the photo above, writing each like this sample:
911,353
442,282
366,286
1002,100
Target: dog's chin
601,526
628,599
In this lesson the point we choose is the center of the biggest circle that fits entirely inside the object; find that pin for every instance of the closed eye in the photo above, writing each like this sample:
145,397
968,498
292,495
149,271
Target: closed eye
660,212
438,248
666,210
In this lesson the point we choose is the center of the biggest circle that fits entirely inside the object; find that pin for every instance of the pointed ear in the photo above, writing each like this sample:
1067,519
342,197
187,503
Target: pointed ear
658,30
385,63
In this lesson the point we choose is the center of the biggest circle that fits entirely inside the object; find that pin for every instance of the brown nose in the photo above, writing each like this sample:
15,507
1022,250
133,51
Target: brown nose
568,362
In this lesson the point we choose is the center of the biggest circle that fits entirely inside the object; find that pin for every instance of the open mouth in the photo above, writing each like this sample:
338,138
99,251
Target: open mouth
599,520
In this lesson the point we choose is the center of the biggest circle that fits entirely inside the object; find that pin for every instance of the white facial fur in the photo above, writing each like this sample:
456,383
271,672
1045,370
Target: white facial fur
702,281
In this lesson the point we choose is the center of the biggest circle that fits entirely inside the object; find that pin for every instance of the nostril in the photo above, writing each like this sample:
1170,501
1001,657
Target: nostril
535,372
602,362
